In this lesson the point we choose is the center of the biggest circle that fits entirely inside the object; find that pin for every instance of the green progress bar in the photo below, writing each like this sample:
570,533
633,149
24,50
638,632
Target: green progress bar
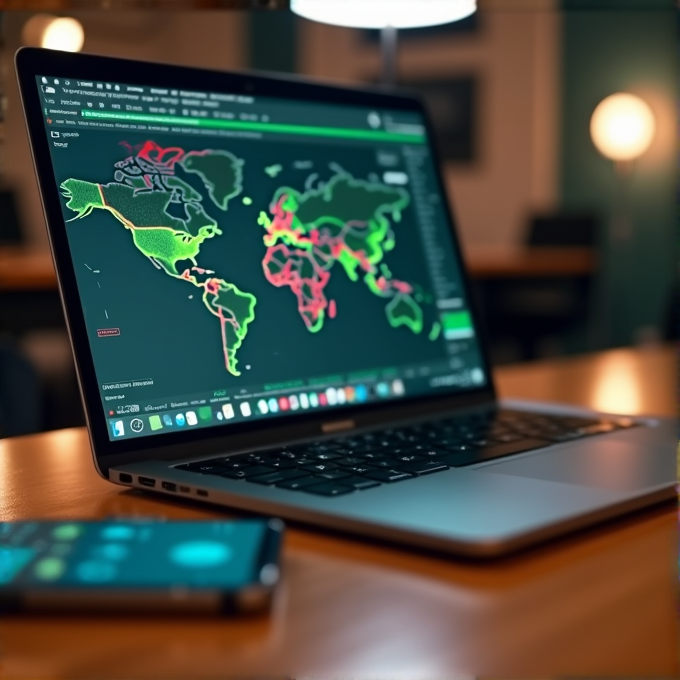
317,131
457,325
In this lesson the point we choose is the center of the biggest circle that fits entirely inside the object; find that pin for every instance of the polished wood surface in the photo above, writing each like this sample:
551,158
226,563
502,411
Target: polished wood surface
602,602
22,270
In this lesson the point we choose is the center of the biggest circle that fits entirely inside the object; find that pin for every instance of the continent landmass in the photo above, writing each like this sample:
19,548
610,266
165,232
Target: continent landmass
348,221
168,223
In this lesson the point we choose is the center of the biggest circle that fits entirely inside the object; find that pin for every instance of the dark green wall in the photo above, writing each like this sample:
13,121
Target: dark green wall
272,40
606,51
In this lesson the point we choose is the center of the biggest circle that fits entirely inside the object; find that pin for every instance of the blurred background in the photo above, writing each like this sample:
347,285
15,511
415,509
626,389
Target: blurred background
571,243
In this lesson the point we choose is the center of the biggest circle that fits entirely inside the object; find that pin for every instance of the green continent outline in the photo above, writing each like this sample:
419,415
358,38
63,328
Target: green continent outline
356,241
166,240
235,309
211,176
163,245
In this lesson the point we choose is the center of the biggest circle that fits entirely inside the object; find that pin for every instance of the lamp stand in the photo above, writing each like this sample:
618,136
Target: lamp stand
388,50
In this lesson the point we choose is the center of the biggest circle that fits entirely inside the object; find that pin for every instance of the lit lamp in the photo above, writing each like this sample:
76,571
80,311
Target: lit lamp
622,128
54,33
386,15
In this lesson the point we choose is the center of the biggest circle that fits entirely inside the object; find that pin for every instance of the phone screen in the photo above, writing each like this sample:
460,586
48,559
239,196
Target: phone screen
198,554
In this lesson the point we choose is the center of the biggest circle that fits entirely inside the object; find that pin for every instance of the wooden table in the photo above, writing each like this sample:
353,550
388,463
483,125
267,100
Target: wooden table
602,602
24,270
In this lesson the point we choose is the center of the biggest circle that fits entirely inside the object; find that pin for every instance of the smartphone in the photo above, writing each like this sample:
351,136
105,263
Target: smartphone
150,566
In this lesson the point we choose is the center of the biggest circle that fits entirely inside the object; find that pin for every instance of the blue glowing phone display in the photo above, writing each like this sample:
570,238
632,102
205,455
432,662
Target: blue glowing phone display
198,554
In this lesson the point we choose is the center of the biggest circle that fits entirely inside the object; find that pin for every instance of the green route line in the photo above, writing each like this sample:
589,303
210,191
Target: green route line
311,130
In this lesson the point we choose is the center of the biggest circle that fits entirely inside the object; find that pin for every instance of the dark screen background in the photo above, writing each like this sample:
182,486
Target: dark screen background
173,339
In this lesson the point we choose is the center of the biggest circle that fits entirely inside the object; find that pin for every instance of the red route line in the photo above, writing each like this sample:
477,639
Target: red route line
282,224
288,276
149,147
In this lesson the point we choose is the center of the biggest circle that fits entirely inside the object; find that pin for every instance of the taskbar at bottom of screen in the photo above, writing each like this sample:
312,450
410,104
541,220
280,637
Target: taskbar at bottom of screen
243,409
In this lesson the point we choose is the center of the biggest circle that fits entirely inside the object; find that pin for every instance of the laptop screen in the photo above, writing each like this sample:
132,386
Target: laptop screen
242,258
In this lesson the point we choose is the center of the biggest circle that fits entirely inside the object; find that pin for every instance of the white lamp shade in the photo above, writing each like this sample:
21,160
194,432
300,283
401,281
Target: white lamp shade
54,33
622,127
383,13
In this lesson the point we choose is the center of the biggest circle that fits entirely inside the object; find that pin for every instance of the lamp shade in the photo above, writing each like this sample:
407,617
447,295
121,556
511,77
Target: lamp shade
622,127
54,33
384,13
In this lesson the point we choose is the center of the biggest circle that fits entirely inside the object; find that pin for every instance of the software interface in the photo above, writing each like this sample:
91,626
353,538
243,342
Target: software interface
246,257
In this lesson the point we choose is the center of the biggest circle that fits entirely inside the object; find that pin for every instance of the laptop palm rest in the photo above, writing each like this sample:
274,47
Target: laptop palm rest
604,464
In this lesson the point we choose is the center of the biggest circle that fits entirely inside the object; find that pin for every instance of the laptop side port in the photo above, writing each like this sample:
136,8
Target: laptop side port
184,489
125,478
146,481
201,492
169,486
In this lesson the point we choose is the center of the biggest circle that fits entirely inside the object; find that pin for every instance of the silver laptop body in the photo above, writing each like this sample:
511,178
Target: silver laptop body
262,284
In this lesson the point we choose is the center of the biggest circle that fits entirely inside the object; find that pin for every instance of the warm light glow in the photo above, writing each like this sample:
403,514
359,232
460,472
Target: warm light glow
622,127
616,387
54,33
64,34
382,13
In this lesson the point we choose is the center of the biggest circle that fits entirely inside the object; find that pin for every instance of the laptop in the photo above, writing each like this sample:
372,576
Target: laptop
269,311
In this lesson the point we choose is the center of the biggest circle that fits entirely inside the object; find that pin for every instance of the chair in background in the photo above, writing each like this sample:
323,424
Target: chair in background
562,230
535,315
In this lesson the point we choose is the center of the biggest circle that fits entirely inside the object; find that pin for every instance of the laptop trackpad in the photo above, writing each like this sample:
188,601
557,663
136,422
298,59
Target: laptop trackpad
603,464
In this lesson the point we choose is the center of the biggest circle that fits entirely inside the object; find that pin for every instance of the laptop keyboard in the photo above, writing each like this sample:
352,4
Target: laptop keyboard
333,467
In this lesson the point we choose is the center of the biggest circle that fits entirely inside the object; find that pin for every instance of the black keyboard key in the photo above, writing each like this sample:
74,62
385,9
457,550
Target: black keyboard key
278,476
376,458
205,467
359,483
497,451
227,464
230,474
407,458
360,469
254,458
382,463
460,459
350,461
328,489
334,474
508,437
319,467
292,455
324,455
297,484
481,443
244,473
256,470
423,467
388,475
282,463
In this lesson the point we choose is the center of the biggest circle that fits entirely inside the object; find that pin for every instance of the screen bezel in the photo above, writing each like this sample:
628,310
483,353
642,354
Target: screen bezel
32,62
